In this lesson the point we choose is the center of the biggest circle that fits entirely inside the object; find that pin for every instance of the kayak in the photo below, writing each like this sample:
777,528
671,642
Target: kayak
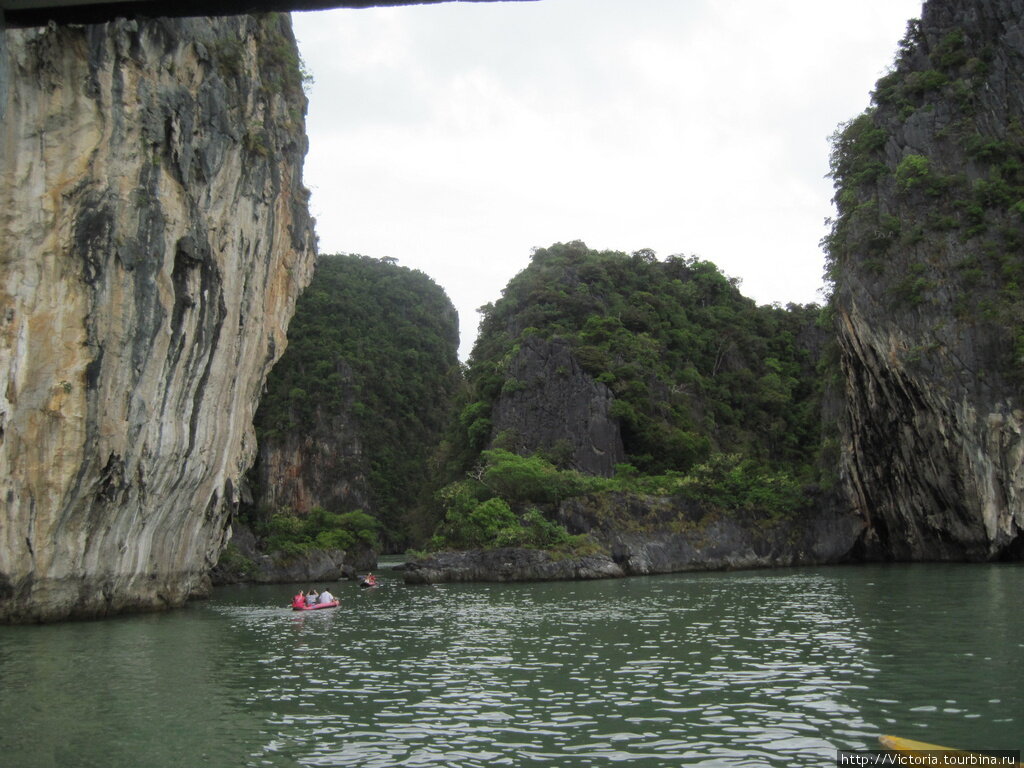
318,606
910,747
367,584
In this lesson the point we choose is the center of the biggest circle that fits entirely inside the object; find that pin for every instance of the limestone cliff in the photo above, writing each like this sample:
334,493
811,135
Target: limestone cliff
927,257
153,237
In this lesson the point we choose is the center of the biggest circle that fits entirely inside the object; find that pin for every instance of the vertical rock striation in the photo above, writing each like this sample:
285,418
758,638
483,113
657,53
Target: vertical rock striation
927,255
154,235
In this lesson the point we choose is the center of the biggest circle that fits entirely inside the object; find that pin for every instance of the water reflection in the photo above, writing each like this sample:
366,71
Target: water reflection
755,668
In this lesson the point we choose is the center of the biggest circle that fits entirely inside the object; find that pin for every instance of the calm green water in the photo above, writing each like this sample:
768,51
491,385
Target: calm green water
775,668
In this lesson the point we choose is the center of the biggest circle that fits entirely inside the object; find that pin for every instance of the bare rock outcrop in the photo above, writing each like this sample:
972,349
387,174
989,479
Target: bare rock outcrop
154,234
508,564
671,535
553,405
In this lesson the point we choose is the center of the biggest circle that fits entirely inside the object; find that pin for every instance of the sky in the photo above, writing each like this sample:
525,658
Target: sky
458,137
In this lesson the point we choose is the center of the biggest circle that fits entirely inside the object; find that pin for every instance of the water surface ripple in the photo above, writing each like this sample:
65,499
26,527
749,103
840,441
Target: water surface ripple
761,668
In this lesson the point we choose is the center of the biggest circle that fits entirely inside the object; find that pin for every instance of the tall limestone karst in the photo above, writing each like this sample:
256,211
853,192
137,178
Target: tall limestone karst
927,259
154,234
354,411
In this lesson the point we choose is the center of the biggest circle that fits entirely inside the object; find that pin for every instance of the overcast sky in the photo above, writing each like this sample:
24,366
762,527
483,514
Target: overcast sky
458,137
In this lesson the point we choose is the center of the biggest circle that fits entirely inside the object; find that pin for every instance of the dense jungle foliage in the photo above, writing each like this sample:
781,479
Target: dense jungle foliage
695,367
717,398
374,343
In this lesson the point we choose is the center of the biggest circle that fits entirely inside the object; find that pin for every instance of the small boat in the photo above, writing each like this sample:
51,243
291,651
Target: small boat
318,606
910,747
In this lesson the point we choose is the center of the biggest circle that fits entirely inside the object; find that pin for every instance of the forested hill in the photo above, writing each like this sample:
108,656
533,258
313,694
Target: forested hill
355,409
673,364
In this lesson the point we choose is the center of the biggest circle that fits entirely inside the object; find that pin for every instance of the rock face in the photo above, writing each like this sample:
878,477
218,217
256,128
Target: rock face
556,406
927,255
154,235
324,465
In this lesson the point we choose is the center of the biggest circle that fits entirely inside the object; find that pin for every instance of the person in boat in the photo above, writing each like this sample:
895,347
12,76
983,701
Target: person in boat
326,597
370,580
311,597
299,601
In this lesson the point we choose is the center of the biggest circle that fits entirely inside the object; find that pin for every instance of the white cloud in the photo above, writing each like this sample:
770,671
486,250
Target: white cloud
457,137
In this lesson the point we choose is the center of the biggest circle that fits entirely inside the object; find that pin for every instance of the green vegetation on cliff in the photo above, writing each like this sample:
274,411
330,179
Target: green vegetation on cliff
371,362
714,398
290,535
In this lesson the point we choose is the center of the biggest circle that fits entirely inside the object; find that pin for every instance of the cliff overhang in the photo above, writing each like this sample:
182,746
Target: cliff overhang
39,13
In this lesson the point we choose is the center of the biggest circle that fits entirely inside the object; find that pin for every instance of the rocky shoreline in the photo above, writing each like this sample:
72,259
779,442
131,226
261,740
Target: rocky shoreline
508,564
243,563
702,541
